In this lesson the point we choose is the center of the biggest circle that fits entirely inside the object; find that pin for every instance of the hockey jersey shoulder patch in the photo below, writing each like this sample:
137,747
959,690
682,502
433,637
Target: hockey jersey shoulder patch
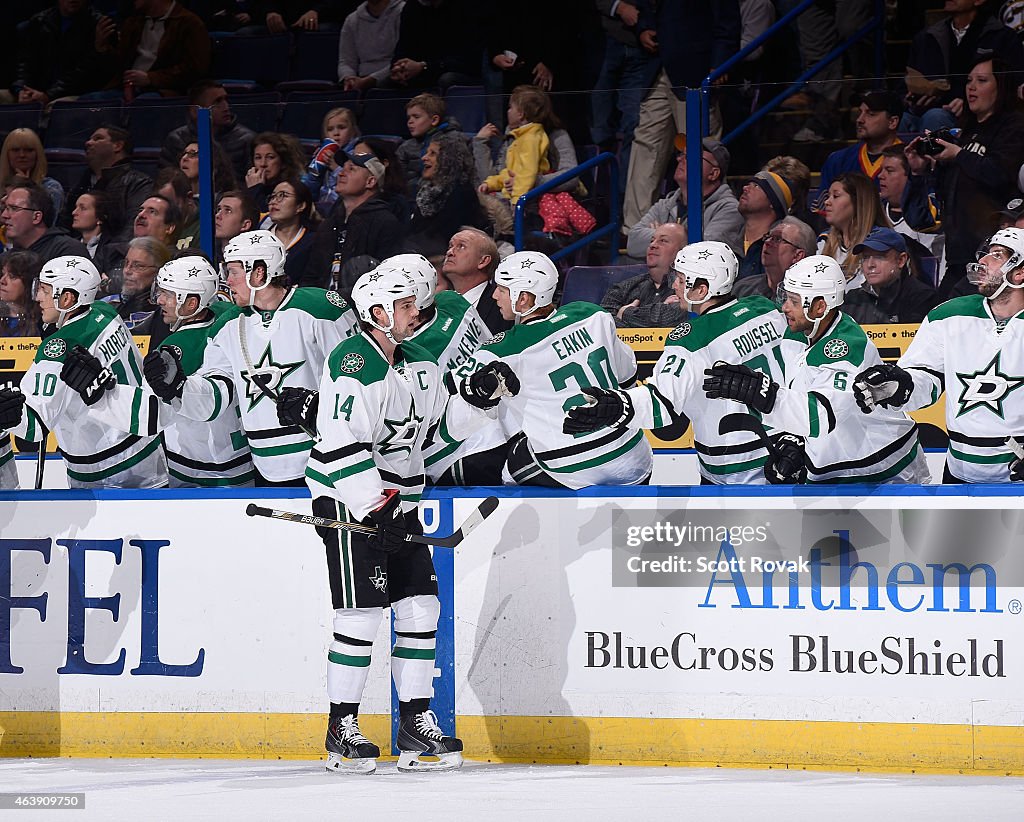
358,359
53,349
973,305
84,330
847,342
323,305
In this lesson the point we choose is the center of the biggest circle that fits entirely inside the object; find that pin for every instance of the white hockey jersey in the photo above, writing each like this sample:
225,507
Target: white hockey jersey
372,420
961,350
750,331
816,402
199,454
96,454
288,347
554,358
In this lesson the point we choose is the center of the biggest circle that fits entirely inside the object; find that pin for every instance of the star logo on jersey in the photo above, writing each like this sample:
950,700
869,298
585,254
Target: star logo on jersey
55,349
379,579
352,362
401,434
497,338
820,268
679,331
270,373
334,298
987,388
835,349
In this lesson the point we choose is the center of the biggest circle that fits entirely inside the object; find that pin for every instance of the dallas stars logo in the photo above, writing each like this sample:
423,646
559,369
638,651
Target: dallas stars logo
820,268
55,348
987,388
836,349
703,254
527,263
72,263
193,272
401,434
379,579
352,362
679,331
372,278
277,372
256,239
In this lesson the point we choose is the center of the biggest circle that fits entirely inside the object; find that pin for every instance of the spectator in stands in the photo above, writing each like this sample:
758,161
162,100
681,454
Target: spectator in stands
907,202
788,242
362,221
22,155
159,218
368,39
275,157
88,220
28,219
890,293
852,209
943,54
425,118
469,265
173,185
627,71
107,155
722,219
339,130
521,49
293,220
691,38
234,214
648,300
162,48
765,200
1013,215
57,53
282,15
437,45
878,120
134,305
229,134
188,164
979,173
799,175
226,15
19,313
446,197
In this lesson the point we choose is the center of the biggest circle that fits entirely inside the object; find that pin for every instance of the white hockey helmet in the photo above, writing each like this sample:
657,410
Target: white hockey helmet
383,287
1013,240
184,277
251,247
528,272
69,273
711,261
422,272
812,277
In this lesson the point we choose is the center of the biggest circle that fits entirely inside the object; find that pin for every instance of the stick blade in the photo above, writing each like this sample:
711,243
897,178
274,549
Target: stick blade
479,514
731,423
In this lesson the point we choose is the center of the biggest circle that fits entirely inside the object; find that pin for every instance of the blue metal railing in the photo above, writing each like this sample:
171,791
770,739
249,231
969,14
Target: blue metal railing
611,227
204,137
697,99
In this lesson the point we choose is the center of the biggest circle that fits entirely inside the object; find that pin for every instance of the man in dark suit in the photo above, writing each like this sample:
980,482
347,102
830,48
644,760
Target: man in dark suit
469,266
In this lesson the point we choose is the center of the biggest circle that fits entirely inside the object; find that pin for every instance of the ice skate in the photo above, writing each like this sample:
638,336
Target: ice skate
423,747
348,750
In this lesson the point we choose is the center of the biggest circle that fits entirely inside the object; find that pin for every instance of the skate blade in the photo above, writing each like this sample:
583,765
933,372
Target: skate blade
410,761
336,763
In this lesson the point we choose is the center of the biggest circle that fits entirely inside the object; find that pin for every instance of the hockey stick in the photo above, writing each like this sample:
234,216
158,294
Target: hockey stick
41,456
264,389
731,423
482,512
1016,447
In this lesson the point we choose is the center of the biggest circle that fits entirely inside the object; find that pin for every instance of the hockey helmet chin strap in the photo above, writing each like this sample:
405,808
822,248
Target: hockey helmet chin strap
805,304
977,274
62,313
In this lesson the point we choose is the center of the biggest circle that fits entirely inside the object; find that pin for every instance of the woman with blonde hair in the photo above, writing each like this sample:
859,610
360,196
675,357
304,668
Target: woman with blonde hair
852,209
22,156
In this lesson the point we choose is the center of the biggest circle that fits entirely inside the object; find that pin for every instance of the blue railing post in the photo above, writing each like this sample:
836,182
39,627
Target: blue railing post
205,141
694,165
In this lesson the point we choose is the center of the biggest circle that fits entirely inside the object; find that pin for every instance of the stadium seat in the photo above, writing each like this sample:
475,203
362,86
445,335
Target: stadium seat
151,120
258,110
466,105
65,171
259,59
315,58
71,123
304,111
590,283
19,116
384,113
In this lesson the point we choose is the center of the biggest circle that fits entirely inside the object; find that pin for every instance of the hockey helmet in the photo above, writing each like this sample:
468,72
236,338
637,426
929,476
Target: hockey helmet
252,247
812,277
383,287
711,261
528,272
184,277
69,273
422,272
1013,240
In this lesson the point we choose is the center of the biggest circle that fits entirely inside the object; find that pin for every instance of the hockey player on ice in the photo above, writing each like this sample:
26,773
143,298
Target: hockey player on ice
96,454
199,454
726,325
829,440
973,349
378,396
281,338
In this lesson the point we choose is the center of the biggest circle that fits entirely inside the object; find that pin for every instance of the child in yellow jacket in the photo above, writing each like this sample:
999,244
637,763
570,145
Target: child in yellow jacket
529,110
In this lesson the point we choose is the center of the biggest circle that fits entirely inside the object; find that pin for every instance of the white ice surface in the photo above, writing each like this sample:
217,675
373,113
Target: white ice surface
180,790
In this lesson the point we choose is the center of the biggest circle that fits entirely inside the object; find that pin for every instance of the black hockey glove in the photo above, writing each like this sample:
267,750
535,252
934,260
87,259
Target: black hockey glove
298,406
604,408
164,373
486,387
390,523
1016,445
12,404
787,462
887,385
724,381
84,374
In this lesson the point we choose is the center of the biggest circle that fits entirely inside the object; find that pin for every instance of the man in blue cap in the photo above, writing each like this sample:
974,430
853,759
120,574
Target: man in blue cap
889,291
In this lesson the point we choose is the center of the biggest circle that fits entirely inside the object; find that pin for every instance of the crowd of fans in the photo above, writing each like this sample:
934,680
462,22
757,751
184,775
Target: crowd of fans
936,166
